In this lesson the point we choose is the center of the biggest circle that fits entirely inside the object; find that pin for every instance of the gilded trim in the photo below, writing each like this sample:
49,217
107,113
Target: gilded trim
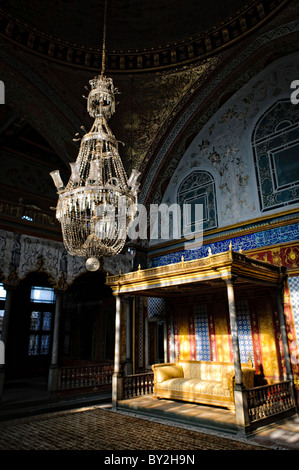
221,266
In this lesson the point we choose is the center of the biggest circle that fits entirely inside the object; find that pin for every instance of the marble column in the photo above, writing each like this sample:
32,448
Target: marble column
286,352
8,301
117,376
129,363
5,325
284,337
172,342
53,377
242,416
165,340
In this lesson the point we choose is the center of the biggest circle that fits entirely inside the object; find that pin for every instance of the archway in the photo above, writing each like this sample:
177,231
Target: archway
28,348
87,321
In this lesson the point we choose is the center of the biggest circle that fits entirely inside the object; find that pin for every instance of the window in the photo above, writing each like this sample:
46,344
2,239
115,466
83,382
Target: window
275,144
199,188
42,300
2,305
42,295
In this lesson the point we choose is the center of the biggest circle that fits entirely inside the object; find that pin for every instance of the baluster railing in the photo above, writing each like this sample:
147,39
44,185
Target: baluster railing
83,377
269,400
138,384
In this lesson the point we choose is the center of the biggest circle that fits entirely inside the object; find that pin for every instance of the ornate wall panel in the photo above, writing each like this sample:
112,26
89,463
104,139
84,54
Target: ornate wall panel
22,254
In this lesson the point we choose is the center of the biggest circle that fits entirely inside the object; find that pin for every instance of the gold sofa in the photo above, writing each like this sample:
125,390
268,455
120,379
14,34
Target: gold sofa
200,381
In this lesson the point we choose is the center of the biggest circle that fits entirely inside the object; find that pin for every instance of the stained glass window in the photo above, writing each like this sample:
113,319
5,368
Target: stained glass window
2,305
198,189
2,292
1,319
42,295
43,299
275,143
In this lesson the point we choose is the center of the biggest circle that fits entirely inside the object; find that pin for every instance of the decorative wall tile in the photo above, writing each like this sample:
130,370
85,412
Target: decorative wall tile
202,333
294,294
269,237
244,331
156,307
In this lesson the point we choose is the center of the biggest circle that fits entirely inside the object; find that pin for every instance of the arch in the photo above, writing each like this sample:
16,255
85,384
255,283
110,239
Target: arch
29,342
88,318
199,188
275,146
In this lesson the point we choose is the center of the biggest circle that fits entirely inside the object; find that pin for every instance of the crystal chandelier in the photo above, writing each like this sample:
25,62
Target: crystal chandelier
99,202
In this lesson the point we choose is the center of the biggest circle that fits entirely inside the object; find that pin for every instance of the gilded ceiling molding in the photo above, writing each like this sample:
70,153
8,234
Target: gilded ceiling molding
197,47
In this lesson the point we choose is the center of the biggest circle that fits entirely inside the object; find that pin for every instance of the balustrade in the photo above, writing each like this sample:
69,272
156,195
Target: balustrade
138,384
85,376
269,400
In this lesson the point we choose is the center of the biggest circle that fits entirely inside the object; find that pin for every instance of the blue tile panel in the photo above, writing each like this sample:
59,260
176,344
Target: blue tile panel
294,294
202,333
244,331
274,236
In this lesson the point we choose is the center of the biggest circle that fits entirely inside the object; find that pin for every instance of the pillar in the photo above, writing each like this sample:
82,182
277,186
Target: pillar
284,337
165,339
53,377
287,359
172,342
8,302
146,344
129,363
117,377
242,416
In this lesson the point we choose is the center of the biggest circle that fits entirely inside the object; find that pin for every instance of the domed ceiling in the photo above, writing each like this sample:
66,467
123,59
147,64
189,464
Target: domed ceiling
141,35
132,24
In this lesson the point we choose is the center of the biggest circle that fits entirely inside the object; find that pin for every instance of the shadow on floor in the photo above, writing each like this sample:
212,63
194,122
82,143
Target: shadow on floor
26,397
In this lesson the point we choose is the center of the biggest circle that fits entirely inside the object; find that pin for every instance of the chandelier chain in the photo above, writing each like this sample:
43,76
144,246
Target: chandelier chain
104,40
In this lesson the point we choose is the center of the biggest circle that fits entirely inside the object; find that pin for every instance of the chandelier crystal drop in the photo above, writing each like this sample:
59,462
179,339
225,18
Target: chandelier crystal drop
99,202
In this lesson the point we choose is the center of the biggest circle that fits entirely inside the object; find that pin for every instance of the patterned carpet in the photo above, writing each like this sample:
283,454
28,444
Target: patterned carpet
103,429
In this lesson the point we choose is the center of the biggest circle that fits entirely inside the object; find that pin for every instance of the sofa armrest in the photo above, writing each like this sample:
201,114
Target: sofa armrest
164,372
248,377
228,381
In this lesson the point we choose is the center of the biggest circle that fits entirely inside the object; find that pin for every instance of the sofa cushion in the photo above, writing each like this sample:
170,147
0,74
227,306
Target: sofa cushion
205,370
169,372
195,386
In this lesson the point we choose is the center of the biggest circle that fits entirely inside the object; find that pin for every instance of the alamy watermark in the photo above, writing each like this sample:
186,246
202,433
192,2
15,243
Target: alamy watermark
2,93
158,223
295,94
